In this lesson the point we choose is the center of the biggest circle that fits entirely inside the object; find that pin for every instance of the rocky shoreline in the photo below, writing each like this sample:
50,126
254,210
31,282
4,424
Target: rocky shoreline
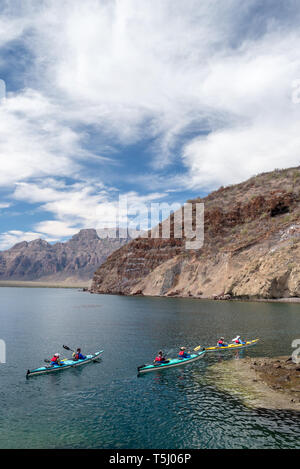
195,297
269,383
294,299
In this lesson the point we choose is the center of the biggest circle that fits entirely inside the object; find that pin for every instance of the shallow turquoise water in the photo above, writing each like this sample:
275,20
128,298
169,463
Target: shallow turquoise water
105,405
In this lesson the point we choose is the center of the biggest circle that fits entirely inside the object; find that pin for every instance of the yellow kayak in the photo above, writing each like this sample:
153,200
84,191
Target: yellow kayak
249,343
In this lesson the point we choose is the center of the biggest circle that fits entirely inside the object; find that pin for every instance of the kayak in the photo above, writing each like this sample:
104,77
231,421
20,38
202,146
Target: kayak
171,363
249,343
65,364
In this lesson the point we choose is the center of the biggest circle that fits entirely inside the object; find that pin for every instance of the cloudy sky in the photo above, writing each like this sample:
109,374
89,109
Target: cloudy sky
156,100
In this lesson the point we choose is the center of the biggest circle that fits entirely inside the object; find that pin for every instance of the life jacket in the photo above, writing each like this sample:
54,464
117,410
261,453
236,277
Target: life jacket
158,358
181,353
220,342
54,359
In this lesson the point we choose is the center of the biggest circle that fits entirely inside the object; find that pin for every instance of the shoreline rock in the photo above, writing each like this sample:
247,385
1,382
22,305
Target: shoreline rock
176,294
270,383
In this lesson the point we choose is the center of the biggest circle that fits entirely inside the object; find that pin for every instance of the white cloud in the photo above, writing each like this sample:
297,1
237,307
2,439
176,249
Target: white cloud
254,91
246,151
4,205
12,237
56,229
136,66
156,69
11,28
79,206
151,68
33,140
119,64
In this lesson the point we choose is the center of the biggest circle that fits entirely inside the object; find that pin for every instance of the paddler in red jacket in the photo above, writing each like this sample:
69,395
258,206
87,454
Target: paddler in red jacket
182,353
78,355
160,358
55,360
237,340
221,342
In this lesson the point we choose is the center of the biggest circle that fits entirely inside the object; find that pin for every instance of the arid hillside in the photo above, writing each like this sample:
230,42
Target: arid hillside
251,248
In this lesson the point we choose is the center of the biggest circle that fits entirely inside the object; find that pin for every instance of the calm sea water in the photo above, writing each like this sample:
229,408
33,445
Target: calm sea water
105,404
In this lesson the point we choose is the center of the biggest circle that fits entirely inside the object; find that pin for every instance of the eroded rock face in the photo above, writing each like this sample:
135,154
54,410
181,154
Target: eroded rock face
251,248
77,258
137,260
279,373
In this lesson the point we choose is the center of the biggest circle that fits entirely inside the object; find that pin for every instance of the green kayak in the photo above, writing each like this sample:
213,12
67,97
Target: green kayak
64,366
172,362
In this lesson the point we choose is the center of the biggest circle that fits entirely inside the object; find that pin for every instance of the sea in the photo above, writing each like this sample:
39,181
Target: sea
106,404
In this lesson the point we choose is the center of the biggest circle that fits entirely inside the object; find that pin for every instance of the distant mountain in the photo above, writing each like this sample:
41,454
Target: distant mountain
251,248
75,260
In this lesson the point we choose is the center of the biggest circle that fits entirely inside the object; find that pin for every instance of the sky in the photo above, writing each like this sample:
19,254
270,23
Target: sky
156,101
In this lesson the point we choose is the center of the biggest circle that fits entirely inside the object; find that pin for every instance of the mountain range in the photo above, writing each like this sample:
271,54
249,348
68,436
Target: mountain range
73,261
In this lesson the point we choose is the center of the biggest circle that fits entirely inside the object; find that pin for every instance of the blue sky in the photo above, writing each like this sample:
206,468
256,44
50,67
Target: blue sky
156,101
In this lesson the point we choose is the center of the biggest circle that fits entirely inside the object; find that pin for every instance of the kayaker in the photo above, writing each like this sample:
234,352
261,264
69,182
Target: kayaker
182,353
78,355
55,360
221,342
238,340
160,358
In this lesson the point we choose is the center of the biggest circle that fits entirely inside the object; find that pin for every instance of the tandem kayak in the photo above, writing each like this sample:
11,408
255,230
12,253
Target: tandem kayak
249,343
65,364
171,363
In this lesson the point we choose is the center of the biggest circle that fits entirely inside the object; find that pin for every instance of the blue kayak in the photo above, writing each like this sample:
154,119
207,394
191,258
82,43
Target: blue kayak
64,366
171,363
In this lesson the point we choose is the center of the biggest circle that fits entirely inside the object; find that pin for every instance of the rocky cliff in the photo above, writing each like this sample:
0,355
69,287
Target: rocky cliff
74,260
251,248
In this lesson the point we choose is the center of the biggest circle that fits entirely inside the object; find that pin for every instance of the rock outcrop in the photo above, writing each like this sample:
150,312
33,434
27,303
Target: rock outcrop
262,383
251,248
75,260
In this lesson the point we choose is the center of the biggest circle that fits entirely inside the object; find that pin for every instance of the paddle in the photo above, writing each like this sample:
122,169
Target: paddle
198,348
46,360
68,348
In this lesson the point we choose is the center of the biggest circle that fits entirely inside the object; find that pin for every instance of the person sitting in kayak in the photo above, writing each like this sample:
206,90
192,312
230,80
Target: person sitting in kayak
182,353
221,342
78,355
238,340
55,360
160,358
